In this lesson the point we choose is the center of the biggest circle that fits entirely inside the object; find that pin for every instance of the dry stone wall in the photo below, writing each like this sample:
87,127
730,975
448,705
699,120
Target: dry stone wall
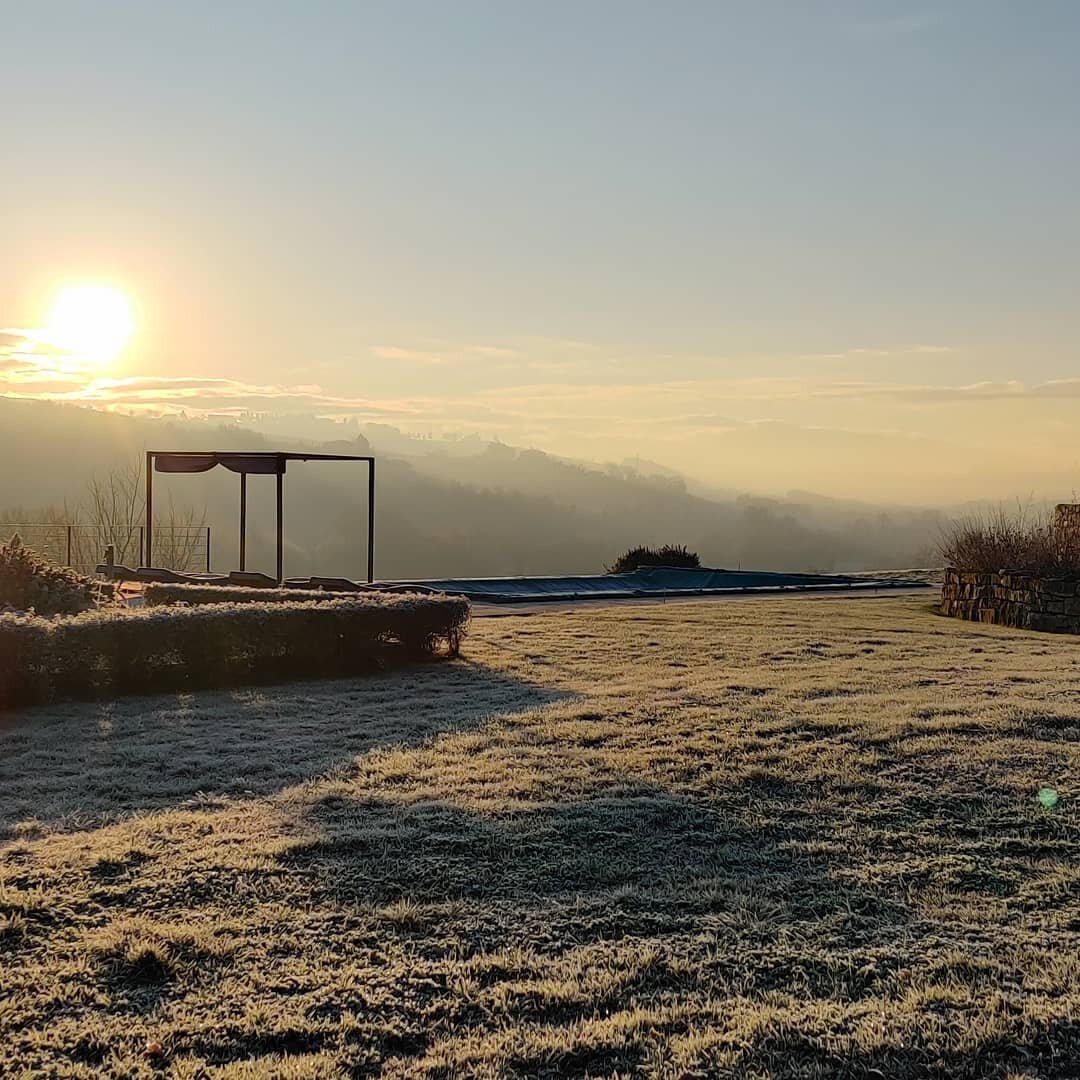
1014,598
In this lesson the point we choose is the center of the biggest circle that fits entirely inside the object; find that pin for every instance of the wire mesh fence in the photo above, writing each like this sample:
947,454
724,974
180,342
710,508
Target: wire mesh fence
82,547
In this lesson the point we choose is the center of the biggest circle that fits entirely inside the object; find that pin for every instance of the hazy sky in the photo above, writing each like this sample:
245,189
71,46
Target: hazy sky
839,241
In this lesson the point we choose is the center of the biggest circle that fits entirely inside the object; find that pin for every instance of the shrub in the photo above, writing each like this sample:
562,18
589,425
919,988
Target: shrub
31,582
668,555
1000,540
121,650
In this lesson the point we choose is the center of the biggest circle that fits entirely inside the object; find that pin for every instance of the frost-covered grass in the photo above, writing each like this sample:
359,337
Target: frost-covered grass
775,837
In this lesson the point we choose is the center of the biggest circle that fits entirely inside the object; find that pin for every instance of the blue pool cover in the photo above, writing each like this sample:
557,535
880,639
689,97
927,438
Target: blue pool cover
660,581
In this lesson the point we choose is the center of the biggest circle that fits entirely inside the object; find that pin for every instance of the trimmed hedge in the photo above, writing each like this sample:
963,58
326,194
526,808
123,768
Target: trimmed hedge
161,594
112,652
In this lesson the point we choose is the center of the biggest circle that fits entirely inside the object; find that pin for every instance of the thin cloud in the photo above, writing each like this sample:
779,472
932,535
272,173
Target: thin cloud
203,394
28,342
493,352
1009,390
19,347
710,421
408,356
869,352
621,410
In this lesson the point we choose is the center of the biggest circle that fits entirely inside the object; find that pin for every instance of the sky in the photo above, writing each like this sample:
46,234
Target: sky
829,246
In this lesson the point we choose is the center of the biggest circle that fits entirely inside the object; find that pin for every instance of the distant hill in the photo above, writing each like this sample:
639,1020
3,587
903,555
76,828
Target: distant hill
451,506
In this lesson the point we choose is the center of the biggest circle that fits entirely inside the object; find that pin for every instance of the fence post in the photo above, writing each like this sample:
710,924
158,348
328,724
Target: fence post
69,545
142,548
208,549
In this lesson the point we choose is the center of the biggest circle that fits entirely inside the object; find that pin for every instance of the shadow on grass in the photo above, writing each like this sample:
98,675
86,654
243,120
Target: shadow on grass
1048,1047
78,765
605,867
574,912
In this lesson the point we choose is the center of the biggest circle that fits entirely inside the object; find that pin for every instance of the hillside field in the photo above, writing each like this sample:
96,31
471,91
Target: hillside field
765,838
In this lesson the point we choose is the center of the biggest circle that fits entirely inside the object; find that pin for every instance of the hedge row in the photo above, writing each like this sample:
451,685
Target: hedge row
161,594
113,652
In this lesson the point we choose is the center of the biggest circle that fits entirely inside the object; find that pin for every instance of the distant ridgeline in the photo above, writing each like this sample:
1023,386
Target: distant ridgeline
1025,599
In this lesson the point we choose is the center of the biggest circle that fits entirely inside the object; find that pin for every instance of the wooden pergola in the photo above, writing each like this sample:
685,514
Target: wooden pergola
262,463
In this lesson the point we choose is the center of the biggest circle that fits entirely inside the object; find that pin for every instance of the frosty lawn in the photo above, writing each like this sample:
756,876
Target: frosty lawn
766,838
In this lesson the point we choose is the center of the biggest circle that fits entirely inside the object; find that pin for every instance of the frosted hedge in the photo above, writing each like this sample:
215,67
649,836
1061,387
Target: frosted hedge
118,651
159,594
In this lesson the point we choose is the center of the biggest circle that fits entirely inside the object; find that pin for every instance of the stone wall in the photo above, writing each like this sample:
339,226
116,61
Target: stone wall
1013,598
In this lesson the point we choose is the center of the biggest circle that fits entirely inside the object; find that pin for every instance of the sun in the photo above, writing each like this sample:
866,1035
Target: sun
92,322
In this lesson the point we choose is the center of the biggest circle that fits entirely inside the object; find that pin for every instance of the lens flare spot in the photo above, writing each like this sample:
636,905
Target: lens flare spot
1048,797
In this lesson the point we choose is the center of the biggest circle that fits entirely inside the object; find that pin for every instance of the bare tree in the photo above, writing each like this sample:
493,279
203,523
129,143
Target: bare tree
114,504
111,512
179,544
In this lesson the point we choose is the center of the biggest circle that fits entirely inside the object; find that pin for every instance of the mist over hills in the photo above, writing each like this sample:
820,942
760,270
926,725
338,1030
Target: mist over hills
448,506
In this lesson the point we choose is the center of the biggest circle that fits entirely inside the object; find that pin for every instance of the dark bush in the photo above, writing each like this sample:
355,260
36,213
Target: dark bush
30,582
668,555
121,651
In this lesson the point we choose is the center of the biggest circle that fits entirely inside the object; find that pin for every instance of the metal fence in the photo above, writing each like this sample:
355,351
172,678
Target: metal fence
82,547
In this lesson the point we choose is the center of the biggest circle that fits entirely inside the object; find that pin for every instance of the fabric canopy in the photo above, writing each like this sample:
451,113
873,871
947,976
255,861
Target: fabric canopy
268,464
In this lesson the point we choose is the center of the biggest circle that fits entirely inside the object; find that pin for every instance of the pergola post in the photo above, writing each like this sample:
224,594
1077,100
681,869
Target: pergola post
149,524
280,523
371,522
243,521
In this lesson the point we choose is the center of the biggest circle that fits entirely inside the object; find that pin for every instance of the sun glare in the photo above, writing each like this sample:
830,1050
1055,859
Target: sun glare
93,322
